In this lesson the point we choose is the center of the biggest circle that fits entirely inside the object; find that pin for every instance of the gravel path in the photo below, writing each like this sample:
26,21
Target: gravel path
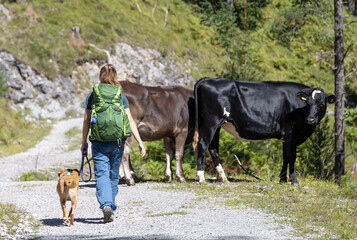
145,211
51,152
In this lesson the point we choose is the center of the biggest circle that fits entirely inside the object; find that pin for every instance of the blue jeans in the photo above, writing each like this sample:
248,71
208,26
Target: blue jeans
107,158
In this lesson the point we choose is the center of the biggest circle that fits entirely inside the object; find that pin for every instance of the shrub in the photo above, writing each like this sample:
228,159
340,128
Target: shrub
316,155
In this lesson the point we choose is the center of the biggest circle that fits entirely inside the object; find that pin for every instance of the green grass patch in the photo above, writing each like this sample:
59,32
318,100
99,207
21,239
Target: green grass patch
17,134
43,175
168,214
11,218
74,138
317,209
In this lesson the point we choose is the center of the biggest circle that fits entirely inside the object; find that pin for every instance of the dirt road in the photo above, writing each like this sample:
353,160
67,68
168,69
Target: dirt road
145,211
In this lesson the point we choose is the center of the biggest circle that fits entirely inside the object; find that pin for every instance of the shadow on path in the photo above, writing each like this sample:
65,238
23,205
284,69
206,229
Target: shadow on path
58,222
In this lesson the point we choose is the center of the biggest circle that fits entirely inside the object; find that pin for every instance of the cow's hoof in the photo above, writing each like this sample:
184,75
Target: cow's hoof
295,184
130,182
203,182
181,179
223,179
168,178
283,180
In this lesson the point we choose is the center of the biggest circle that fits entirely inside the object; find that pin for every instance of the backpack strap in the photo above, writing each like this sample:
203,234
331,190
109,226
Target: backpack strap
96,90
117,97
116,101
93,109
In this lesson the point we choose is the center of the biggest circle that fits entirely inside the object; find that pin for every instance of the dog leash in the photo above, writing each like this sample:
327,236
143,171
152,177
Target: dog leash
85,156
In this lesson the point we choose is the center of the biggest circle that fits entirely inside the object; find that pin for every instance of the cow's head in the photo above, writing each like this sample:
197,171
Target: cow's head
316,100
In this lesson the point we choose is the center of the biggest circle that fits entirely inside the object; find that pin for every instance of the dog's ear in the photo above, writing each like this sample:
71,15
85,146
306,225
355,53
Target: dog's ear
59,173
69,170
76,170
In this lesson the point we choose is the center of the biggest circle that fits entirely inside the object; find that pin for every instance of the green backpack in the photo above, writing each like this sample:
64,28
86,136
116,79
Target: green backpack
109,121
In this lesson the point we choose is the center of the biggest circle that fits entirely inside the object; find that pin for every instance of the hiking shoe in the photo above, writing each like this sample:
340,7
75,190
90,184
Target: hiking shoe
108,214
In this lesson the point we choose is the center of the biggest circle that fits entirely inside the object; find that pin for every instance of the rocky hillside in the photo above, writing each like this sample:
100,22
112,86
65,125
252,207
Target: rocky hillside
50,65
41,97
51,51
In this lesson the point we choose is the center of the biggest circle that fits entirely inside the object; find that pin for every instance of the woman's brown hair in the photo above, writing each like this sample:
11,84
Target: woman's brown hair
108,74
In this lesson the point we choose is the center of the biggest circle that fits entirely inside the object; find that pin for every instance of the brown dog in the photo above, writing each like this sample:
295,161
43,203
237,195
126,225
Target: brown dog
67,189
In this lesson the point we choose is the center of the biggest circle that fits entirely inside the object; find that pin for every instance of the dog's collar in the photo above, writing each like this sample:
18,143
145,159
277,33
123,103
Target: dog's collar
66,174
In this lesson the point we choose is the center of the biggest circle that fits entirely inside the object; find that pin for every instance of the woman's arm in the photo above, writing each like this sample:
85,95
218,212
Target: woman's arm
135,132
85,129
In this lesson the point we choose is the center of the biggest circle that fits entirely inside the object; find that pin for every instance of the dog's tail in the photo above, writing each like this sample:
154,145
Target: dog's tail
61,184
69,183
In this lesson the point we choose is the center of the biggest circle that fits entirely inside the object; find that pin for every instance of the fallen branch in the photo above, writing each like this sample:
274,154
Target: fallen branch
90,159
246,170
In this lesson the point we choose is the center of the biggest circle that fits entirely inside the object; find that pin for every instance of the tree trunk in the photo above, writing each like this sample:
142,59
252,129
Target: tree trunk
339,90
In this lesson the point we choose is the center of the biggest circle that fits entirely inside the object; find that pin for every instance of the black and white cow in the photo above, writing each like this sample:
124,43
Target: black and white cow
255,111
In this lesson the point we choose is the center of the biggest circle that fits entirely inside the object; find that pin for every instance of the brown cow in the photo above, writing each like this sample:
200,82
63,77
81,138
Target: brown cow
161,113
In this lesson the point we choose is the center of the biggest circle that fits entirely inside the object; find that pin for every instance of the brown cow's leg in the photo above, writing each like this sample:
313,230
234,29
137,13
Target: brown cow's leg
169,152
179,145
126,164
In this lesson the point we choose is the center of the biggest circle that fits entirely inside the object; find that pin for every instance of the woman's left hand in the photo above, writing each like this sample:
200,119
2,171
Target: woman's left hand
142,149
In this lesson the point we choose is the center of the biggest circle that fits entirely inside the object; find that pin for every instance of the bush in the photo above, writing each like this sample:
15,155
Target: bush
316,155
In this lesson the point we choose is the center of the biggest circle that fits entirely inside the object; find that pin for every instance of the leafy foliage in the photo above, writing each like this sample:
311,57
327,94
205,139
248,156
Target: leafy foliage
351,133
241,65
292,19
316,155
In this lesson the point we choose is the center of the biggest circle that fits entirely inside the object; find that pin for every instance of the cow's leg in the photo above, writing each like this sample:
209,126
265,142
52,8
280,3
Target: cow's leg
129,179
283,173
179,148
289,154
169,152
205,138
213,150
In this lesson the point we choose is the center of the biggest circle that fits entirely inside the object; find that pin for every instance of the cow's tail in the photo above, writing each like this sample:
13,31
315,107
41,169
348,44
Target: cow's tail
196,135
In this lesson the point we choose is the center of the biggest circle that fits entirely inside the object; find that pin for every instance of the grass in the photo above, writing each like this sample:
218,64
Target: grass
316,209
43,175
17,134
42,30
11,219
168,214
74,138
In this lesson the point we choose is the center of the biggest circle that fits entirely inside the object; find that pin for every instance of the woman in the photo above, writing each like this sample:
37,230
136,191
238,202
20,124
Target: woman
107,156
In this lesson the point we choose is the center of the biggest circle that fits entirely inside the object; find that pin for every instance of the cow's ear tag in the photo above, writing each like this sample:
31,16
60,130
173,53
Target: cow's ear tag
303,98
